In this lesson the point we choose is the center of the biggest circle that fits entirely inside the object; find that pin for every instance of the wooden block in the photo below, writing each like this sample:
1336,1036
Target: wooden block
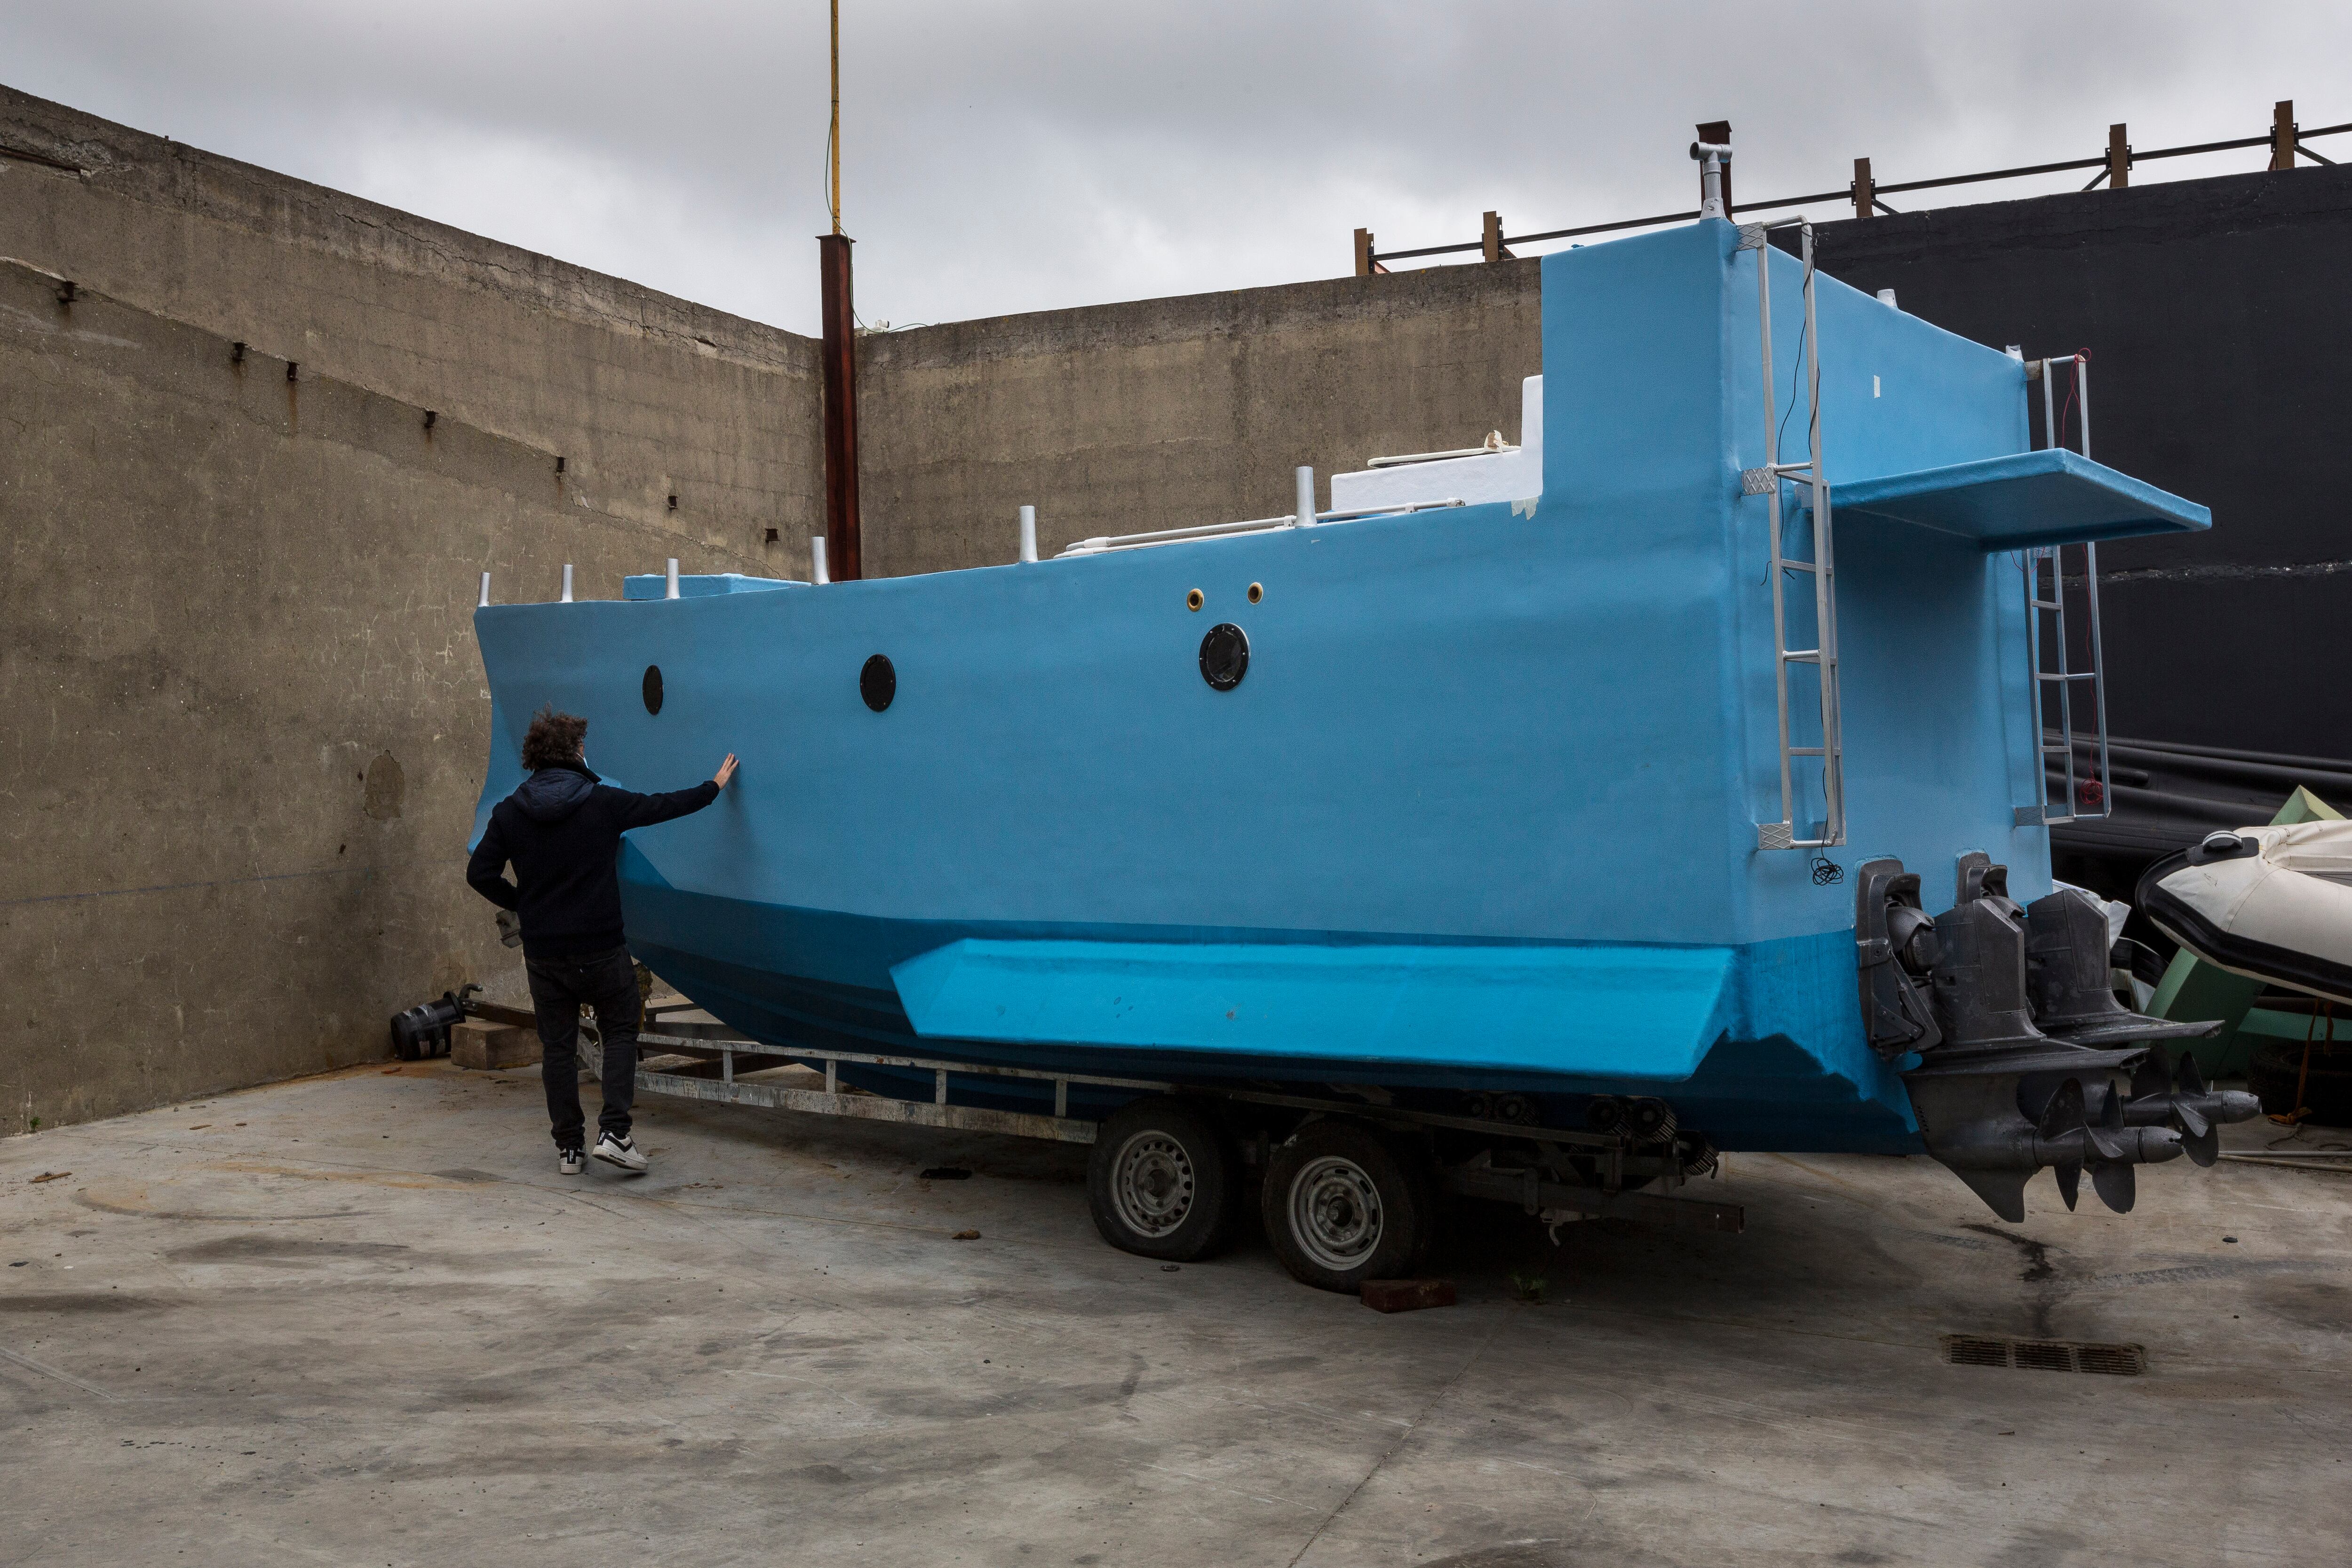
1407,1295
483,1046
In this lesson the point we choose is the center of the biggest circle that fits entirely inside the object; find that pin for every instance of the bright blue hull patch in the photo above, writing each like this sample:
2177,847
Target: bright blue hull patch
1678,1022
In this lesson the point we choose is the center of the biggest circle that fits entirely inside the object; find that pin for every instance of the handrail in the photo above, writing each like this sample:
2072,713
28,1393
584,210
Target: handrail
1374,257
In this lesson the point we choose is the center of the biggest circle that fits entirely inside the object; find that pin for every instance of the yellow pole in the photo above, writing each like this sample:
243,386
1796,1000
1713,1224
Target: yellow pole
836,116
836,140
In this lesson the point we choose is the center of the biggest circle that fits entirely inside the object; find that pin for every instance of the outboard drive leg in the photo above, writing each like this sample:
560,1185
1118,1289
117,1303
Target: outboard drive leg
2067,963
1999,1098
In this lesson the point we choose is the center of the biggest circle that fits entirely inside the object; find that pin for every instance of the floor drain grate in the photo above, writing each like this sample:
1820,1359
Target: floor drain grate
2044,1355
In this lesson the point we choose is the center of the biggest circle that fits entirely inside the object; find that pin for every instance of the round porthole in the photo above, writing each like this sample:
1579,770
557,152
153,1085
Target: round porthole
1195,599
1224,656
877,682
653,689
1256,592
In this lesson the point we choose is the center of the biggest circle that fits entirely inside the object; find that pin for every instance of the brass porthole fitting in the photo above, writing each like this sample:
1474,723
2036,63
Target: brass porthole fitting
1256,592
1195,599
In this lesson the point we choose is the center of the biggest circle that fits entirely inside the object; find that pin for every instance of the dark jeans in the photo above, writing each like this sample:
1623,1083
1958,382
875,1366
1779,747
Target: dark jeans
606,982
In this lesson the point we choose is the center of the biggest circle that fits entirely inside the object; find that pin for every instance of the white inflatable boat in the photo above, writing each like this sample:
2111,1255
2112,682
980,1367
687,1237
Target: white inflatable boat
2271,903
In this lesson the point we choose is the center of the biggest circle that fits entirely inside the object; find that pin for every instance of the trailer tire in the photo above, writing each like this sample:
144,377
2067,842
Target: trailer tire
1164,1181
1344,1205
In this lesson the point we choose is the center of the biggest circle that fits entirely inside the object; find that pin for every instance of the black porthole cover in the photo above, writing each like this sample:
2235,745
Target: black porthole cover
1224,656
877,682
653,689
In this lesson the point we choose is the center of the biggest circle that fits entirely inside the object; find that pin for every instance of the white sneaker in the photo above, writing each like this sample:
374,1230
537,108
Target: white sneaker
571,1162
621,1151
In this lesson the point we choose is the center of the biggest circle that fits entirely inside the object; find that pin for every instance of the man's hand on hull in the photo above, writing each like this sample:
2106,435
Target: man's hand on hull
726,771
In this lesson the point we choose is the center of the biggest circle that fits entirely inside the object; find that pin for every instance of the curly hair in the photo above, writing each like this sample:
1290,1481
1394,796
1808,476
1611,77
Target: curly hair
554,739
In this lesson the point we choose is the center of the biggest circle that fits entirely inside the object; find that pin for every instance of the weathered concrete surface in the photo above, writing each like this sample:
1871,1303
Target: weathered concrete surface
246,722
360,1320
1169,412
646,395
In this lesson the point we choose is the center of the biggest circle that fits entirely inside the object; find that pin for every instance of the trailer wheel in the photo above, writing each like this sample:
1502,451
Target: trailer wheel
1344,1205
1162,1181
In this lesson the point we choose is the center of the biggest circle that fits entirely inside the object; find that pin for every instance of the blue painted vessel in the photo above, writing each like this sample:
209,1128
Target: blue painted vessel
1497,801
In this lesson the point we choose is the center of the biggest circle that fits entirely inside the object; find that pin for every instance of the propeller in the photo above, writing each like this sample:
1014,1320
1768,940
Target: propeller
2060,1116
2111,1177
2083,1127
2165,1096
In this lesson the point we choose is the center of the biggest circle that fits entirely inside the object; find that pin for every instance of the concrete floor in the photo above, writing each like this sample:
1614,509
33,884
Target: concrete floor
360,1318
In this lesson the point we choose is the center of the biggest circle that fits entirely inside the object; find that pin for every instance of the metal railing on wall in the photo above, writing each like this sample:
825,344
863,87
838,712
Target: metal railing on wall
2285,140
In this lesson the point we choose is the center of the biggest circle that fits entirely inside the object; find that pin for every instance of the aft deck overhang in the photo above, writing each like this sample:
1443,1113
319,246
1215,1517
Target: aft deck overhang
2024,499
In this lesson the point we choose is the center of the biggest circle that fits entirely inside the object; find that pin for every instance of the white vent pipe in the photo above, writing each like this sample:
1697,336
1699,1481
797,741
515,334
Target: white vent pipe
485,603
670,592
1028,533
817,560
567,582
1305,505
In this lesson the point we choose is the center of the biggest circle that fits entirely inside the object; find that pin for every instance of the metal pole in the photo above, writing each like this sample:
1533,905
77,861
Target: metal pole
2091,592
1028,533
1772,491
2083,396
485,603
567,582
834,139
1305,501
840,361
1825,667
670,590
817,560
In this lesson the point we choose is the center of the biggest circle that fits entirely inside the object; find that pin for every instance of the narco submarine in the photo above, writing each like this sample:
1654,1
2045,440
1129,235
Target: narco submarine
1533,823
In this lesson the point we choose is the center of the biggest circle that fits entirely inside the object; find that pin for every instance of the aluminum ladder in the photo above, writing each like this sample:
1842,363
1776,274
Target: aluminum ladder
1822,567
2049,648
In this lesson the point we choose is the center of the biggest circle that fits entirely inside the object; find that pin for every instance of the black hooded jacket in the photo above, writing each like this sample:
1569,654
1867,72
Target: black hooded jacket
563,830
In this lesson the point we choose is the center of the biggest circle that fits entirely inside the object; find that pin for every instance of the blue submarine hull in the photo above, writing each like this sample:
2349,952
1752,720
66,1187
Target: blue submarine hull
1481,812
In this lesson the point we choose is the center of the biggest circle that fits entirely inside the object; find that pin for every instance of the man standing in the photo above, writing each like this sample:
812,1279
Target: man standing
563,830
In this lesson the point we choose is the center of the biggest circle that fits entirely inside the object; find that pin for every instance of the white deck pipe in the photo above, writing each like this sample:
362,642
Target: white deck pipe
1712,156
567,582
485,603
1306,506
1028,533
817,560
670,592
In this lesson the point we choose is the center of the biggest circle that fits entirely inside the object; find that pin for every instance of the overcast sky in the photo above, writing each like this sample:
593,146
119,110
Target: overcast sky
1005,155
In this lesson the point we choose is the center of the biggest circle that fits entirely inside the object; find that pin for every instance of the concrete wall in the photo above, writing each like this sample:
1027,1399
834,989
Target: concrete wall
1169,412
645,396
246,721
245,715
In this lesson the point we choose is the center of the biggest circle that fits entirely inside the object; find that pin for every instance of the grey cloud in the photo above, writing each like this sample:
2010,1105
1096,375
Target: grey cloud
1015,156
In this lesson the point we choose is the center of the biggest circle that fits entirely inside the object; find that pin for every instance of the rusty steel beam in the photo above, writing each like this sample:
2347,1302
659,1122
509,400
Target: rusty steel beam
842,554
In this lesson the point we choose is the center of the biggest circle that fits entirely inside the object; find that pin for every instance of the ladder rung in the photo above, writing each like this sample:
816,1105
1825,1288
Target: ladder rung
1805,751
2048,604
1803,656
2078,675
